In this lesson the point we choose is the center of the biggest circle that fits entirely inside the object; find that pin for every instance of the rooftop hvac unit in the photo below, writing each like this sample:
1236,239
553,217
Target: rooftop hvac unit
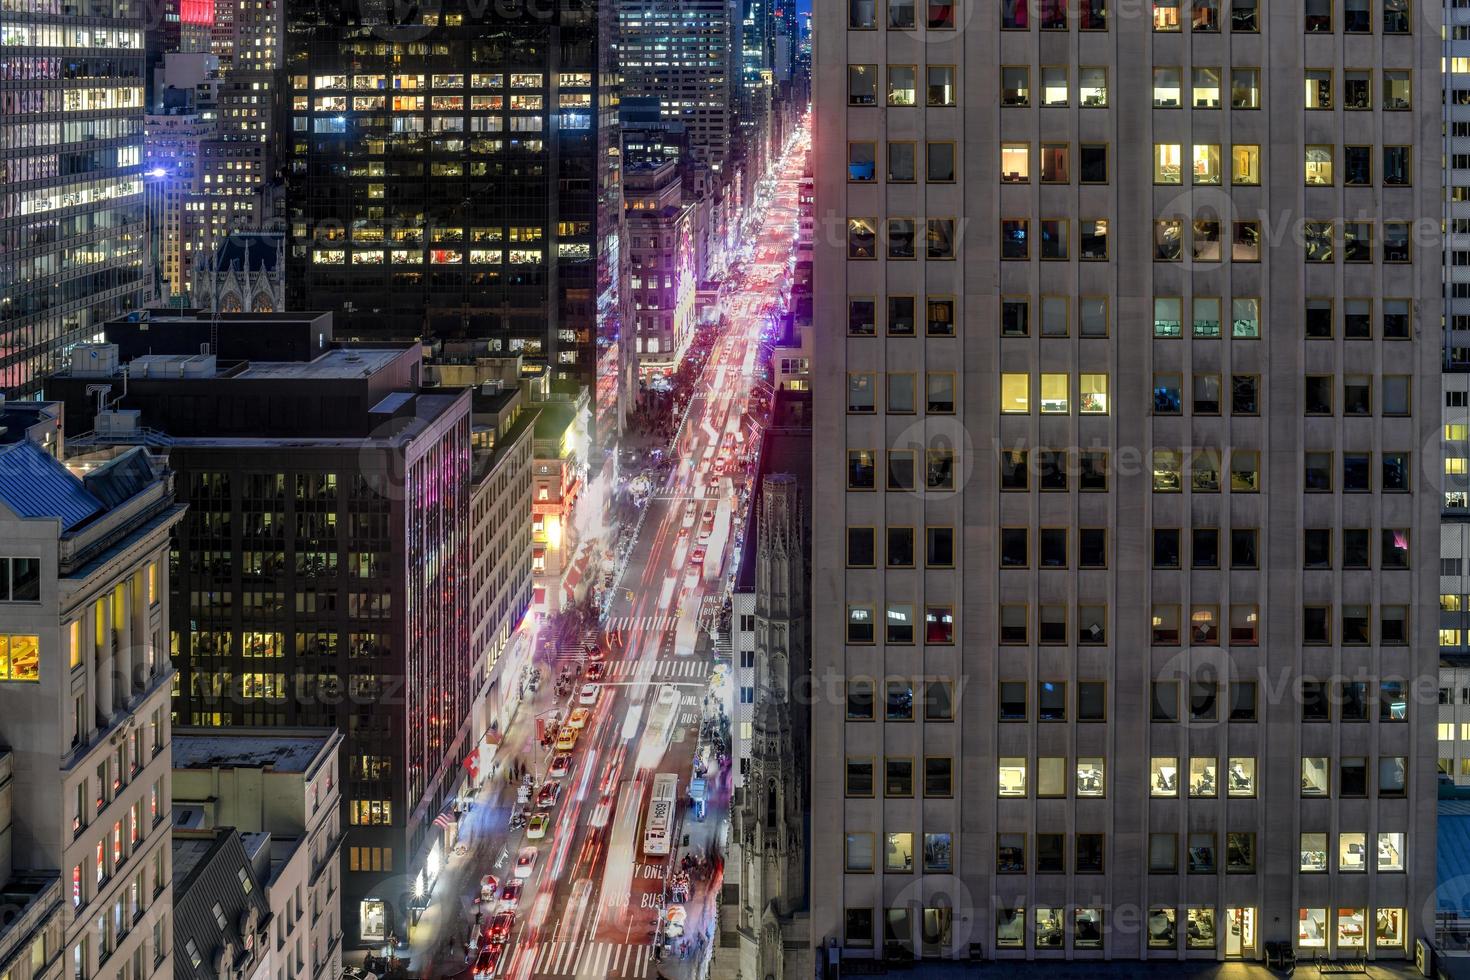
118,422
94,360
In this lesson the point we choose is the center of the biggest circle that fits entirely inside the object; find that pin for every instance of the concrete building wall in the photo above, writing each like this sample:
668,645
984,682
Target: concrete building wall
982,836
90,740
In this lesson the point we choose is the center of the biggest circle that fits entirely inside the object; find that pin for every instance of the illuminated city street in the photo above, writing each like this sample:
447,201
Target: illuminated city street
591,885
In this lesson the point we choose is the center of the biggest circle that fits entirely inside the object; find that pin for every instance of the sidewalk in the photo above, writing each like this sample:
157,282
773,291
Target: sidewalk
436,948
688,956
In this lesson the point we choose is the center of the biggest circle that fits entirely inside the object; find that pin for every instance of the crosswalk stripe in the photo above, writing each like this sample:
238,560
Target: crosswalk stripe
561,958
654,623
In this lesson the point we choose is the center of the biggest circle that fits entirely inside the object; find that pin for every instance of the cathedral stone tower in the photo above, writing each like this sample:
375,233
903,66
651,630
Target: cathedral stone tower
770,820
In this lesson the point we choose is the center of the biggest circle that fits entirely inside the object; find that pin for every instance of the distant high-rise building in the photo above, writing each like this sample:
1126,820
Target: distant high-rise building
1123,376
464,188
677,51
211,136
72,222
662,275
755,63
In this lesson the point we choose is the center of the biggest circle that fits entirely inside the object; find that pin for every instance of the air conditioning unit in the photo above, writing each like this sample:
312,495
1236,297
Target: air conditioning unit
94,360
118,423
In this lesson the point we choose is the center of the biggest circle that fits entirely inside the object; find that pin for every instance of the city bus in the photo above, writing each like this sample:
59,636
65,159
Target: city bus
659,825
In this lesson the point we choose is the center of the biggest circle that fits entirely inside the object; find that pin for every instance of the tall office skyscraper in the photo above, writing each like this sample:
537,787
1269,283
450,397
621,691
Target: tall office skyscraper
1126,373
1454,586
677,51
71,162
457,176
755,59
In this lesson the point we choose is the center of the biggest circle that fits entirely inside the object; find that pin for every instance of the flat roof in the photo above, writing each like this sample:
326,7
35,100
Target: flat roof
338,363
252,750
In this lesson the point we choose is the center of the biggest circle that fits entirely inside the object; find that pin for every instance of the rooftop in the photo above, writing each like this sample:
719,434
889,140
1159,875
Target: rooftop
17,418
340,363
247,749
35,486
190,853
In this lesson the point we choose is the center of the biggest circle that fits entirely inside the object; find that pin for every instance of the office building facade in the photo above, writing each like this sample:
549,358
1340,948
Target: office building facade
1124,377
679,53
323,577
72,225
458,177
84,695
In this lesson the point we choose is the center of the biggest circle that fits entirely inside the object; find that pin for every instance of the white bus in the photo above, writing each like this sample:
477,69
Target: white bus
659,825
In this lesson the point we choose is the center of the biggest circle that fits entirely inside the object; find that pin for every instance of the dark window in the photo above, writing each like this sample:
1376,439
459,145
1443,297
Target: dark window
939,547
938,777
860,547
1353,777
1352,700
1015,318
1316,627
1318,321
1052,547
1243,400
1356,547
1051,854
1092,471
900,547
1357,166
1315,706
1242,700
1091,701
1089,854
862,317
1013,701
1205,547
1051,469
1051,701
901,316
1317,547
1243,548
1164,701
1318,395
1014,472
1393,470
1166,547
1013,549
1203,701
1093,162
1092,547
